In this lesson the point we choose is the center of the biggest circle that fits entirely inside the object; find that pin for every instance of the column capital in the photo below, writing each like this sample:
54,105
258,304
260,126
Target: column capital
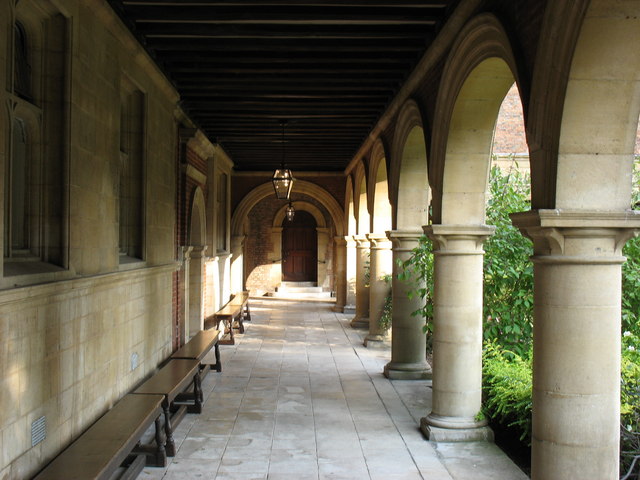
361,241
458,239
404,240
350,241
581,235
379,241
185,252
340,241
198,251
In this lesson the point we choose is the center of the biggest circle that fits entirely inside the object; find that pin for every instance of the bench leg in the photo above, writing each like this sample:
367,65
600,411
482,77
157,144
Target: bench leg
171,445
161,454
240,324
218,361
247,313
198,396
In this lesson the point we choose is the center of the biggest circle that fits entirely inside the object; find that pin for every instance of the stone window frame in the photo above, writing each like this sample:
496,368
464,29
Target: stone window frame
38,49
131,194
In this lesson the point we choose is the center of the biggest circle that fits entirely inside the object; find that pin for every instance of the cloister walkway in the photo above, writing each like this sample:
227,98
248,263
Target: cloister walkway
301,398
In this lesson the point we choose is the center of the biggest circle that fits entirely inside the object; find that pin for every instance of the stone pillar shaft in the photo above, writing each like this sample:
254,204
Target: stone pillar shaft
408,339
361,320
576,370
196,289
341,273
351,252
380,265
457,335
237,267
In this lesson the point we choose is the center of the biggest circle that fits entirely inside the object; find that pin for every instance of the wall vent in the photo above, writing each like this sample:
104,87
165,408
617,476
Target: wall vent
38,431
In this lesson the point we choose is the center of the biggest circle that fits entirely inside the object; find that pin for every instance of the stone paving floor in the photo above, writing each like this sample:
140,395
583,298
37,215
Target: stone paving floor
300,397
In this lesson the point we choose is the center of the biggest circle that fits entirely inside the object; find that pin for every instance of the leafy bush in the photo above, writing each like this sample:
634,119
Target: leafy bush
387,310
420,265
508,272
507,389
629,401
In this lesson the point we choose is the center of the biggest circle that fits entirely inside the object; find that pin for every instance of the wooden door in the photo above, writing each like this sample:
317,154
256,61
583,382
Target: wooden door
300,248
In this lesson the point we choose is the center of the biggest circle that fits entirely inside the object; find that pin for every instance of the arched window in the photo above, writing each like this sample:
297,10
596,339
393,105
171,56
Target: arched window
22,66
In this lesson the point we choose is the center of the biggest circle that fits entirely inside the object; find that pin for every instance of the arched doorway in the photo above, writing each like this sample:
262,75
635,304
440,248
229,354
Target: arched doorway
300,248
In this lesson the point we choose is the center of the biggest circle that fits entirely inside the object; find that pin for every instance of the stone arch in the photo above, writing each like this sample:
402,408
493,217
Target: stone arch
361,201
350,213
197,219
409,176
300,205
299,186
479,71
601,109
379,194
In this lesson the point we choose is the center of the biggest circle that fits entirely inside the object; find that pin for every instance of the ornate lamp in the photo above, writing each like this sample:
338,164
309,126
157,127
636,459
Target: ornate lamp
290,211
282,178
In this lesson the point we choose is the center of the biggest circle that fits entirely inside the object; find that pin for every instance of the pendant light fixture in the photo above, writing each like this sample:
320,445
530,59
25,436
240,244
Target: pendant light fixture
290,211
282,178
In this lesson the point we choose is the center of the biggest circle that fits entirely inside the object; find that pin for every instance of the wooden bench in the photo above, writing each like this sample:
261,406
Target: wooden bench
198,347
105,445
235,310
170,382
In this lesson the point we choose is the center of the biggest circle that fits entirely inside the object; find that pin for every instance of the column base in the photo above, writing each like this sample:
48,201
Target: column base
360,323
407,371
349,309
457,429
338,309
374,340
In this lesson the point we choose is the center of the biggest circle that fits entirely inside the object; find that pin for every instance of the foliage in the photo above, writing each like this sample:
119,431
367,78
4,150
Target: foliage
420,266
630,368
508,272
507,389
386,317
629,403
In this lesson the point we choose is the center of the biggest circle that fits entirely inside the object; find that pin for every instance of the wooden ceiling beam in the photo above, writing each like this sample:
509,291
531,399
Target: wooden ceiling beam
278,46
262,3
293,32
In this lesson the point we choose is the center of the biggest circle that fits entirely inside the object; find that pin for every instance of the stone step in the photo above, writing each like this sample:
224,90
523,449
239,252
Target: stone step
300,290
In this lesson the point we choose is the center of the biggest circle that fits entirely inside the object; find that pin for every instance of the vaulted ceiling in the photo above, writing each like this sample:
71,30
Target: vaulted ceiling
327,67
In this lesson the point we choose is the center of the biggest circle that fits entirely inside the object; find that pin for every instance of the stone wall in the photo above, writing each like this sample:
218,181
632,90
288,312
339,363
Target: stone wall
76,336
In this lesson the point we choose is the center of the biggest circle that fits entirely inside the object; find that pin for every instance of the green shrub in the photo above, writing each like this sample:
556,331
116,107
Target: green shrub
387,309
629,401
507,389
508,272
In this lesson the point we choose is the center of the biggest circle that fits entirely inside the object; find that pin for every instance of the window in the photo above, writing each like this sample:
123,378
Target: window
131,191
22,66
34,183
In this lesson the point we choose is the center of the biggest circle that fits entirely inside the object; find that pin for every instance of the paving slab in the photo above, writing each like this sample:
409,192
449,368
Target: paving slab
300,397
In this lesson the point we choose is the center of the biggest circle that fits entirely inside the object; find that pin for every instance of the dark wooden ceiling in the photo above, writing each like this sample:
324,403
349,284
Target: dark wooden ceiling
327,67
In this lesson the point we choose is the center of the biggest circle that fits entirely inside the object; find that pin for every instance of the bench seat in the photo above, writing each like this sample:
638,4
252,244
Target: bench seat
170,382
106,444
235,310
198,347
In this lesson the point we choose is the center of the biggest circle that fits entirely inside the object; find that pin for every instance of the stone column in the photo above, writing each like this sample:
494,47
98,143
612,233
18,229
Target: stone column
381,265
408,339
361,320
184,294
237,267
350,301
457,335
576,371
196,290
340,255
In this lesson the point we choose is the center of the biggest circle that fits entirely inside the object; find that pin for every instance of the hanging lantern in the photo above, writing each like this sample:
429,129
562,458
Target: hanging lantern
290,212
282,178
